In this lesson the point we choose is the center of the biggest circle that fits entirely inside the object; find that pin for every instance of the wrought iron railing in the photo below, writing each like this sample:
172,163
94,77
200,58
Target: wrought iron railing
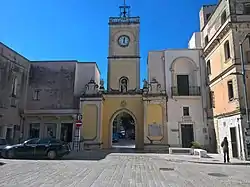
190,91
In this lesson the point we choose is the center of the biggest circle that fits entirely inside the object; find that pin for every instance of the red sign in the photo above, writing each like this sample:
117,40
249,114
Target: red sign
78,123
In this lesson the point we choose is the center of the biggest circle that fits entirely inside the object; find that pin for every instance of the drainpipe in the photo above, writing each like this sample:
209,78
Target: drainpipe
240,139
165,87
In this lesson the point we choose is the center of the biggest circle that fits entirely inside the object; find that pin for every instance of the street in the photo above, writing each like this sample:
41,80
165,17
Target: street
122,169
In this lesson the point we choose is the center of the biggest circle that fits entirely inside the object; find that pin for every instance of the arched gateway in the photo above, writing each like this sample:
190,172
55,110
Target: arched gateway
144,109
123,127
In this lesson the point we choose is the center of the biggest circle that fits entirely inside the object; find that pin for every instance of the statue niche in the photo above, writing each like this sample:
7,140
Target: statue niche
123,84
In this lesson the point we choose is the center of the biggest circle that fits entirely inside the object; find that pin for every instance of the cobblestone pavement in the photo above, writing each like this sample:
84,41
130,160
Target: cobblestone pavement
121,170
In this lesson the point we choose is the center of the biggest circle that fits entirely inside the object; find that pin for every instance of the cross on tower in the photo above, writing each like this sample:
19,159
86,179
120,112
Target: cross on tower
124,10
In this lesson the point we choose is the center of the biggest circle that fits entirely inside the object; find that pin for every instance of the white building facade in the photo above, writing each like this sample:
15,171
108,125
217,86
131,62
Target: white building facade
181,73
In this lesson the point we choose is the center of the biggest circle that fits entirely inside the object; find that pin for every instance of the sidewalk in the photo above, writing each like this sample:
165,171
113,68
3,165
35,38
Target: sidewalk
213,159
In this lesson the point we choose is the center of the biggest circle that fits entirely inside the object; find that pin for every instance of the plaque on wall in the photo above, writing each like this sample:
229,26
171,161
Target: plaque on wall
154,130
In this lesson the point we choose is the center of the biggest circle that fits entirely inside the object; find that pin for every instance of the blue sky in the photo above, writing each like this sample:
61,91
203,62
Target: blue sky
78,29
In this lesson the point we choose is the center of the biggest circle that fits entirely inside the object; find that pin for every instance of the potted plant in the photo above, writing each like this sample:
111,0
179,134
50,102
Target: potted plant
195,145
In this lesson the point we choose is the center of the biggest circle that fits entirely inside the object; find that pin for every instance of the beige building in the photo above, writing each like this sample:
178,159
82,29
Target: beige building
14,75
40,99
222,27
181,72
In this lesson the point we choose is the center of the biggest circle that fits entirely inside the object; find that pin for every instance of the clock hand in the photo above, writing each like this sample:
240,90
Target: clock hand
124,40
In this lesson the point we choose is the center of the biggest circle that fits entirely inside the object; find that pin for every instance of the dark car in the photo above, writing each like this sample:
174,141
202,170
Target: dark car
3,144
37,148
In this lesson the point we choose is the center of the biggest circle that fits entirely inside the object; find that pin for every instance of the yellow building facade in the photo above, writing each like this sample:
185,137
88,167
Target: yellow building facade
146,106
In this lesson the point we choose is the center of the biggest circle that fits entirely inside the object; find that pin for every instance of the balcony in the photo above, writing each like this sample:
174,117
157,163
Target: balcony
189,91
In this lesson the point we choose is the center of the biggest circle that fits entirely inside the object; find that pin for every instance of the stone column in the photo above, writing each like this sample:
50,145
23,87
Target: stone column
58,129
145,122
41,133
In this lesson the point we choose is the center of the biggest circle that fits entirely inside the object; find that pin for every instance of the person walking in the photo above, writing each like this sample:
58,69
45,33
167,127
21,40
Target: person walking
224,145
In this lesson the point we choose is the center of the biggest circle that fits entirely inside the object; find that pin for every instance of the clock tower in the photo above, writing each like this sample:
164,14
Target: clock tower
124,52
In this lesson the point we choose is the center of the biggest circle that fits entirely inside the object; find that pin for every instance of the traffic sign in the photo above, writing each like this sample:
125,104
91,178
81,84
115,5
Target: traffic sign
78,123
79,117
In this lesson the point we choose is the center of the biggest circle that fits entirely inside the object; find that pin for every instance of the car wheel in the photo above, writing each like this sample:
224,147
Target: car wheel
51,154
10,154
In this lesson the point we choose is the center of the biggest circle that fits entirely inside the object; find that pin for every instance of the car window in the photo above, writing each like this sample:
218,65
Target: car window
31,141
3,142
44,141
55,141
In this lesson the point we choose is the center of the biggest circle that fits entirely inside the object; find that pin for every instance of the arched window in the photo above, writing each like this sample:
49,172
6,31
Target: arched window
123,84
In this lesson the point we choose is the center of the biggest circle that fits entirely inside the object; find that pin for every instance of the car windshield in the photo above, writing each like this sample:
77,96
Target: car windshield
3,142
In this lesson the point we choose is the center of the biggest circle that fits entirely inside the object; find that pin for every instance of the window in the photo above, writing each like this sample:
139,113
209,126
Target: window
227,50
34,130
211,99
230,90
223,17
247,8
44,141
183,85
206,40
1,74
36,95
14,87
247,57
208,15
208,67
31,141
185,111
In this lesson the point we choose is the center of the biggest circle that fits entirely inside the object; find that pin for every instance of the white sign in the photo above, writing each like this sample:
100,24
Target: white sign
154,130
79,117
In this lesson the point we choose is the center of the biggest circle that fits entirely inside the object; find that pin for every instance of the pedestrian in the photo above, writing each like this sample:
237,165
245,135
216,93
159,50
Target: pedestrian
224,145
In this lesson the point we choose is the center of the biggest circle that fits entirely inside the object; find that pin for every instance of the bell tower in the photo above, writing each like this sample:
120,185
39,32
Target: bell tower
124,51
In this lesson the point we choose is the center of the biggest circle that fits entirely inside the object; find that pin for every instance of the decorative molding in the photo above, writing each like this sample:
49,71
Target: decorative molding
123,57
123,103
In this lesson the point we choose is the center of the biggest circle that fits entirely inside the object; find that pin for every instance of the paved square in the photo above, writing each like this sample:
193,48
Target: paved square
121,169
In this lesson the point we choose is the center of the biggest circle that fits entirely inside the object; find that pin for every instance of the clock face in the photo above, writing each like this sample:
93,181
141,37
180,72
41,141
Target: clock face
123,41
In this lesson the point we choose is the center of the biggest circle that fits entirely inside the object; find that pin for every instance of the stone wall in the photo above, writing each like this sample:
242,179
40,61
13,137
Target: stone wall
14,70
51,86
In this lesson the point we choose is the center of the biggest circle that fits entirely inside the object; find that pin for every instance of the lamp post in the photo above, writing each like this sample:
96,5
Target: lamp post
243,74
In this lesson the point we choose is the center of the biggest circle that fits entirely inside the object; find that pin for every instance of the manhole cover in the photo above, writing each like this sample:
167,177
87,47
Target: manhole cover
166,169
217,174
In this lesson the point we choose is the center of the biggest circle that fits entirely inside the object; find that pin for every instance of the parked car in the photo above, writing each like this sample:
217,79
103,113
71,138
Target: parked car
37,148
115,138
121,134
3,144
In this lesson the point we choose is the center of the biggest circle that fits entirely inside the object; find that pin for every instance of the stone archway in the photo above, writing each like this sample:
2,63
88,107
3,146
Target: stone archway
123,129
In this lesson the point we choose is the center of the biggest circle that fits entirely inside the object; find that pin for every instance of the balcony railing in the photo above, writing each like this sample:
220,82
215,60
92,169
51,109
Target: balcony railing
190,91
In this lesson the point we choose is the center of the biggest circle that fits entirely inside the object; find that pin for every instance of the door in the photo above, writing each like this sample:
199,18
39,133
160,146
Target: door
42,147
187,135
9,135
66,132
234,142
183,85
27,149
